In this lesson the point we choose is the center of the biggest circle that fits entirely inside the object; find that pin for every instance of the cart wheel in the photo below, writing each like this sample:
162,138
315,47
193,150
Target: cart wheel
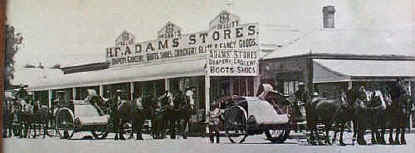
235,124
64,124
277,136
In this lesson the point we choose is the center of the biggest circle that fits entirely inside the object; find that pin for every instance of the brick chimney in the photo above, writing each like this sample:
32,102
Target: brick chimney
328,16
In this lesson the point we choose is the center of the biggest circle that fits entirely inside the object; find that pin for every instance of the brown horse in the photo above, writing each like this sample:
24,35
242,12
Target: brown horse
399,117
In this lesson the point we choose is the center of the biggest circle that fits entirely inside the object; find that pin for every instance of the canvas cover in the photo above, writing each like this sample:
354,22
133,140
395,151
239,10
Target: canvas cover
264,112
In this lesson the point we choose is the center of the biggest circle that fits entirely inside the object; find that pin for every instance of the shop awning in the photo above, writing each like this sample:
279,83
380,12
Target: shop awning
325,70
132,73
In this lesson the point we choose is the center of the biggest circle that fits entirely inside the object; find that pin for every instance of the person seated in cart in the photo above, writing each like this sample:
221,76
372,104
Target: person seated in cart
95,100
214,119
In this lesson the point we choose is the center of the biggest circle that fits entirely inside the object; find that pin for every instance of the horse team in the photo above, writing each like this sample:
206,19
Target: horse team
375,110
168,113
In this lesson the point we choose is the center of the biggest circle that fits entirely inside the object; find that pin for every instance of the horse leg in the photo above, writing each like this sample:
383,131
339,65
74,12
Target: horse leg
138,128
384,122
336,130
341,135
398,131
318,136
45,129
327,130
173,129
360,136
373,133
403,141
121,130
391,136
355,131
186,128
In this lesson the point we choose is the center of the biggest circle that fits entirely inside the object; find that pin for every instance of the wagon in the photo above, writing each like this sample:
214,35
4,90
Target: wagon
84,117
245,116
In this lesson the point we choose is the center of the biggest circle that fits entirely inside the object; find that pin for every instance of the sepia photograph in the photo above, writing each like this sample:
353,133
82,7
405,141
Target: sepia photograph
208,76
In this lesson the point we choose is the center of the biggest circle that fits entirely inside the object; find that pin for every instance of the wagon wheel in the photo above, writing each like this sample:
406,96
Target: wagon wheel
65,127
235,124
277,136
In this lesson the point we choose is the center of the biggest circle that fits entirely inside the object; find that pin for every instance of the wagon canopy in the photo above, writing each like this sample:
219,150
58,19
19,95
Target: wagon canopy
264,112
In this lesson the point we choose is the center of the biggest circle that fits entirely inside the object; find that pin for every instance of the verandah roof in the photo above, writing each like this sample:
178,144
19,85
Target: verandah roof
185,68
325,70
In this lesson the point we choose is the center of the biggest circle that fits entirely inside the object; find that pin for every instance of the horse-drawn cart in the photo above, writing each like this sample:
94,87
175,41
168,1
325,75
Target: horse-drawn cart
85,117
251,115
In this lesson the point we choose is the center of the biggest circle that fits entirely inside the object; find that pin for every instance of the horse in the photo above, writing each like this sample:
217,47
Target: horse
123,113
156,110
398,115
370,114
179,111
327,112
131,112
24,113
40,118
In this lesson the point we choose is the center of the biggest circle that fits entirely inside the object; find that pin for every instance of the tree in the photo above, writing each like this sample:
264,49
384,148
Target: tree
13,41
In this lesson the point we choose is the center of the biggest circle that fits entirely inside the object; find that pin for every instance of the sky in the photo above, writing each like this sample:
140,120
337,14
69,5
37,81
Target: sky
78,31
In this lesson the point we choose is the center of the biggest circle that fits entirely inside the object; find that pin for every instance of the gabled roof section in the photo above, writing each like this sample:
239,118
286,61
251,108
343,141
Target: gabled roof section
125,38
343,41
169,30
224,17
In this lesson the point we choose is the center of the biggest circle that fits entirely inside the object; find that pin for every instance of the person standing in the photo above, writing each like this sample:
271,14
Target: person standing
214,119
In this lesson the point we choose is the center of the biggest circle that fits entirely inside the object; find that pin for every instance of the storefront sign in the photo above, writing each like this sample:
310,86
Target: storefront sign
233,62
172,44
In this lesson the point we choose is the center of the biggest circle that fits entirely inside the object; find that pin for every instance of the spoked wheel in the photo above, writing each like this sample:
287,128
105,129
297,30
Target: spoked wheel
277,136
65,125
235,124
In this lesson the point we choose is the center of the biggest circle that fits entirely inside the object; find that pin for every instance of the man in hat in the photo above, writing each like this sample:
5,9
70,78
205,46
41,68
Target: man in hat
21,92
398,89
301,94
59,100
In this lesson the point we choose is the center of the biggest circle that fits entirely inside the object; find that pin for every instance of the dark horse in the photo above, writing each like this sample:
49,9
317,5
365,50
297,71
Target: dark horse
370,114
399,117
179,109
131,113
327,112
40,119
124,114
